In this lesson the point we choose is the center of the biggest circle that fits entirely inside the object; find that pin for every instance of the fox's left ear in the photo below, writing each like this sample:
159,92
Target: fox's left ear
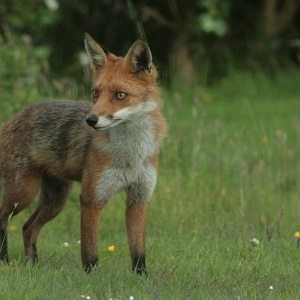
139,58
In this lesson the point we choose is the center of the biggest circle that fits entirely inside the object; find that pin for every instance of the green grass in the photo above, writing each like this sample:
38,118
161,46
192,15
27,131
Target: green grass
229,172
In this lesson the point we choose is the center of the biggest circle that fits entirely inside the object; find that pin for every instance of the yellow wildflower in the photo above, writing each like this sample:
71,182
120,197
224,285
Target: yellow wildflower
264,139
168,190
207,98
297,234
223,81
12,228
111,248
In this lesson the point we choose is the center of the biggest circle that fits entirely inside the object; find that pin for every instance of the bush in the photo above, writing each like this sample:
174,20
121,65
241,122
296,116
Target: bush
19,70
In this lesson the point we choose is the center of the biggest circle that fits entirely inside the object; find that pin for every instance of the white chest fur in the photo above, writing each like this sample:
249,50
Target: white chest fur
131,144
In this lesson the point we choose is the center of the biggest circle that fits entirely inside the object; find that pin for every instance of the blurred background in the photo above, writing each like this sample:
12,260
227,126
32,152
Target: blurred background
193,39
198,41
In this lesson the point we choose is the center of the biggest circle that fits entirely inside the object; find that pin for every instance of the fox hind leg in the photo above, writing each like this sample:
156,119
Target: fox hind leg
17,195
54,194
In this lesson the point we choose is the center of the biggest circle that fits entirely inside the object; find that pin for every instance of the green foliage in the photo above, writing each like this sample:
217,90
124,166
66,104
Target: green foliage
213,18
229,172
19,16
19,70
215,34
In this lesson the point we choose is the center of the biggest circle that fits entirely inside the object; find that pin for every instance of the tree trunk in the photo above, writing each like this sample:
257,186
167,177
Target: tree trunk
181,59
279,16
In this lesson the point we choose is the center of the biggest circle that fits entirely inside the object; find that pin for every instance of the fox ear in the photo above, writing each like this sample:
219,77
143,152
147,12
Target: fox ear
140,58
97,54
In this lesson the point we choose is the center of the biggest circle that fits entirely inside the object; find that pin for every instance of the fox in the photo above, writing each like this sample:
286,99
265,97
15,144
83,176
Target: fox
110,144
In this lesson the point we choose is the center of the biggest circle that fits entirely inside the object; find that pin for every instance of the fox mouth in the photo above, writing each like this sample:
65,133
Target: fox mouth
102,123
112,124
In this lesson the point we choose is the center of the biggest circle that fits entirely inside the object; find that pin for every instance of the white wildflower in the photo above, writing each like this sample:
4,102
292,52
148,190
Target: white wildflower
254,242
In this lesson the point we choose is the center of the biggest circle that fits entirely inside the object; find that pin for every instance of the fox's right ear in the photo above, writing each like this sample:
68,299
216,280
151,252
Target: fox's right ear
96,53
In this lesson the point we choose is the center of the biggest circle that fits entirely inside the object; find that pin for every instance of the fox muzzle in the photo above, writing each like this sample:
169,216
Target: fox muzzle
91,120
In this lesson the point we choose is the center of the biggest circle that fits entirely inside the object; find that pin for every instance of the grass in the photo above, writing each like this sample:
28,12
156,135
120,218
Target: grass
229,172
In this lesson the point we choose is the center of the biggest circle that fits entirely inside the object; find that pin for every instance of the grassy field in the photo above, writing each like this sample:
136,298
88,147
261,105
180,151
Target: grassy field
229,172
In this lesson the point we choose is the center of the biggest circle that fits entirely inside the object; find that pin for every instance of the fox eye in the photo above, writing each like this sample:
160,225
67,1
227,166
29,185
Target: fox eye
95,93
121,96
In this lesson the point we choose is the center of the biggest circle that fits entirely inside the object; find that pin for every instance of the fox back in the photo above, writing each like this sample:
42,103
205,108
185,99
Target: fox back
109,145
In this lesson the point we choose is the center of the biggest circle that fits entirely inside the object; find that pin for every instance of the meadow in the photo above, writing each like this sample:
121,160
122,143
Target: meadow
229,173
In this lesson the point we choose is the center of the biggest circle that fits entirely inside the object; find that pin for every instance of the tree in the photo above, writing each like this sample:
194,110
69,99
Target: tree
279,16
194,38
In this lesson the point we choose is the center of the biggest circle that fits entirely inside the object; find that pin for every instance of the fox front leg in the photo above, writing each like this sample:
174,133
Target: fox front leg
90,219
136,214
136,218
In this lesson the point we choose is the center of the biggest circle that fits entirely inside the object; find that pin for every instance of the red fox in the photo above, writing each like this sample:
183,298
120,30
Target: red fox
109,145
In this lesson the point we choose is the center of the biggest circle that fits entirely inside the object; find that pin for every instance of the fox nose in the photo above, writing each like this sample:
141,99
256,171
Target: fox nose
91,120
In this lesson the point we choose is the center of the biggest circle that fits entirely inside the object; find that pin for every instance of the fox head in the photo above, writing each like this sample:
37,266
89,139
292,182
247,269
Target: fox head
124,88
